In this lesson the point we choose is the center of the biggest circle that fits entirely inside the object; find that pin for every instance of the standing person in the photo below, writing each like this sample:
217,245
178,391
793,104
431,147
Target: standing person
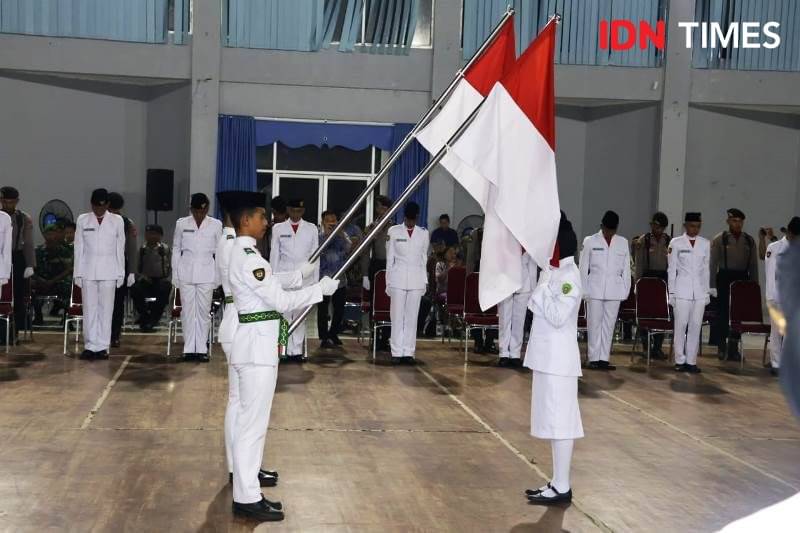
23,259
99,269
262,330
69,232
154,273
406,279
278,214
115,204
6,243
374,260
293,242
689,257
194,272
734,257
606,279
332,259
53,271
555,359
444,233
650,253
772,257
512,312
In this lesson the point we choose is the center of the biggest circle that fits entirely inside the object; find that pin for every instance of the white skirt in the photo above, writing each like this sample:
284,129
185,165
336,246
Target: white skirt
555,413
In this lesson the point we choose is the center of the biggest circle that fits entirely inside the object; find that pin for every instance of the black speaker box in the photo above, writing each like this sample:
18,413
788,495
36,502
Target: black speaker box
160,184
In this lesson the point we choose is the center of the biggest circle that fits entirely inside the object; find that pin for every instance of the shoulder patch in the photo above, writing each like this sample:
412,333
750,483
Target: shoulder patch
230,237
769,254
566,288
259,274
249,251
669,249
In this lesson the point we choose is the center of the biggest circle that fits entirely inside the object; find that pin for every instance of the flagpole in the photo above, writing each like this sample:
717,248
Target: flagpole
410,137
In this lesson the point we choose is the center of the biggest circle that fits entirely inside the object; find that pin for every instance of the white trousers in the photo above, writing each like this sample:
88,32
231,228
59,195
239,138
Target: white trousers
231,414
775,345
195,317
688,317
256,388
296,343
404,312
601,318
98,310
511,312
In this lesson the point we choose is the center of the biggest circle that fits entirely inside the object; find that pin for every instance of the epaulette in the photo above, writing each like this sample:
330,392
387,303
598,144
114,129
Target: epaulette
249,251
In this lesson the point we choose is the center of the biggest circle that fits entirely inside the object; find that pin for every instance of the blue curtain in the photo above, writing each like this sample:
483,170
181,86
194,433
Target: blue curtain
405,169
236,154
297,134
274,24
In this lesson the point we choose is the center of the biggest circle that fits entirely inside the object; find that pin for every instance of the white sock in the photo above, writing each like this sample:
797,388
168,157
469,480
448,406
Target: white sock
562,460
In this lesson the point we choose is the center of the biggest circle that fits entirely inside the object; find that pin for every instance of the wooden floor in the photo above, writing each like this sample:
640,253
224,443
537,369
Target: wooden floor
135,444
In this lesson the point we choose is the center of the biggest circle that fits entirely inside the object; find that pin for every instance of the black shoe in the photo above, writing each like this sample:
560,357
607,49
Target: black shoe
720,353
87,354
190,357
203,357
594,365
517,362
534,492
397,360
492,349
115,343
504,361
479,349
409,361
774,371
336,340
605,365
326,344
538,499
680,367
38,321
658,354
693,369
733,351
102,354
268,479
261,511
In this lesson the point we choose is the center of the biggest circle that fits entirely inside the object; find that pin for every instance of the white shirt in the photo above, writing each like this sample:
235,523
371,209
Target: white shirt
6,232
223,257
290,249
99,247
688,268
774,251
605,270
553,343
194,249
407,258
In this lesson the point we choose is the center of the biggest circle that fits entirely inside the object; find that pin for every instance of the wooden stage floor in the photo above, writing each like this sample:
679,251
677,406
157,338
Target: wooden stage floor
136,444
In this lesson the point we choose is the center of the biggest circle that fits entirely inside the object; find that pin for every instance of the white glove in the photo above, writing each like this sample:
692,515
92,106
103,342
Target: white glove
307,269
78,282
28,272
365,283
120,281
672,300
131,279
708,299
329,286
712,293
3,281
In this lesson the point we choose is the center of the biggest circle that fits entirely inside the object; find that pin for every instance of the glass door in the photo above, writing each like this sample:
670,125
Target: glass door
307,187
340,191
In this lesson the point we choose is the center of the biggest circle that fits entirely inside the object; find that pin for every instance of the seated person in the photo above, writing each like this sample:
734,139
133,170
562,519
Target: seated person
53,276
154,272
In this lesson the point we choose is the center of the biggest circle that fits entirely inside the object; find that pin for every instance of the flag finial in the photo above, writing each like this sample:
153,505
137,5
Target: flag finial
556,17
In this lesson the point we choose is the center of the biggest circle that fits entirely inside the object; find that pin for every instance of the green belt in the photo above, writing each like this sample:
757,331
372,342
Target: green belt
264,316
229,299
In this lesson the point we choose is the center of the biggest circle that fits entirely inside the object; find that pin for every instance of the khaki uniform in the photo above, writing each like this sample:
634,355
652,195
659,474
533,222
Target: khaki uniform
732,259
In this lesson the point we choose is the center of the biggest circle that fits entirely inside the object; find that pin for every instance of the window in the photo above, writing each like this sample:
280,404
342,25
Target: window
367,35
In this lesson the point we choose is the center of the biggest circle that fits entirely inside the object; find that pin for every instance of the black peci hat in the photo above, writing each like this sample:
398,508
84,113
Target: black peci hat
99,197
693,217
735,213
199,201
411,210
610,220
9,193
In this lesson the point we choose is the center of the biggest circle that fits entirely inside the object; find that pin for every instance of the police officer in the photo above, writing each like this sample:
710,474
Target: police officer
194,272
115,204
154,274
773,256
293,242
512,312
23,259
53,270
374,260
689,257
734,257
606,279
99,269
555,359
406,279
260,303
650,261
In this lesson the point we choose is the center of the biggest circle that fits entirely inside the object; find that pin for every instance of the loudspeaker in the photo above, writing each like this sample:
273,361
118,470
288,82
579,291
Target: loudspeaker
160,183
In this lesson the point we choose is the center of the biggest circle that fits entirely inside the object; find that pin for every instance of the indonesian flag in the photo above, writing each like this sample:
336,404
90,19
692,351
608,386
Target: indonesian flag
511,143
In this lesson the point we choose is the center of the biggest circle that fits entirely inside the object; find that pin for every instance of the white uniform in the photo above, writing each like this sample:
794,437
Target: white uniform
254,356
194,272
289,250
230,319
606,280
406,279
689,277
513,309
553,353
774,251
6,232
100,266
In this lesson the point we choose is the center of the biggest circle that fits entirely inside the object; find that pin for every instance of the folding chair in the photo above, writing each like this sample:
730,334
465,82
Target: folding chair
365,307
627,313
381,310
174,319
473,316
746,314
7,307
652,311
74,315
709,316
456,278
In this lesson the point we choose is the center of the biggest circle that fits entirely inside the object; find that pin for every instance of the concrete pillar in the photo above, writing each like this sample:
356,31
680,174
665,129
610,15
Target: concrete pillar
675,113
206,52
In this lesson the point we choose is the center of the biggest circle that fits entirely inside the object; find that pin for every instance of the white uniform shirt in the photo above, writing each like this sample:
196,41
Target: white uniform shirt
688,268
407,258
291,249
553,343
605,270
194,249
774,251
223,256
6,231
99,248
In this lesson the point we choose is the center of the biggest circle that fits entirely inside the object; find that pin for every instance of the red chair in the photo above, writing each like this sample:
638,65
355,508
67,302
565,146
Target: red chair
454,304
7,307
652,311
583,325
74,315
174,319
473,316
366,307
381,310
627,311
746,314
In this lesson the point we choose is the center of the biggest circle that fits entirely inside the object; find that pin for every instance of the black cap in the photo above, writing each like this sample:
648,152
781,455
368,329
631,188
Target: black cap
278,204
794,226
115,200
385,201
735,213
610,220
693,217
9,193
411,210
297,202
567,240
99,197
660,219
154,227
244,200
199,201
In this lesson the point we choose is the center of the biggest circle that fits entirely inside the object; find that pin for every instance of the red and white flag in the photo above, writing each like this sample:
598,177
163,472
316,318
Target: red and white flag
511,143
